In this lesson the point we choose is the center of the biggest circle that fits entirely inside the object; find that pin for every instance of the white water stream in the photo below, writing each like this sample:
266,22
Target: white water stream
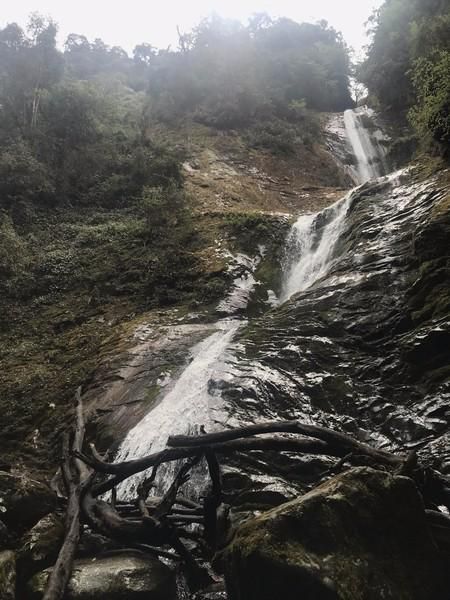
182,410
312,241
310,247
366,141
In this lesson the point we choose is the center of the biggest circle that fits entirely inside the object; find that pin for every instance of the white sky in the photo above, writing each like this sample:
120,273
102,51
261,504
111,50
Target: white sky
129,22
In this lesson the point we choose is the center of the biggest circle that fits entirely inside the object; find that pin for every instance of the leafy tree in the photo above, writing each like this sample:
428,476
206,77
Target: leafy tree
431,81
407,67
88,60
29,65
23,178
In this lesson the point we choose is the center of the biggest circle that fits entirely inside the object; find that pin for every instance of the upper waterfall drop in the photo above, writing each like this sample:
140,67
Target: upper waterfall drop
366,141
312,241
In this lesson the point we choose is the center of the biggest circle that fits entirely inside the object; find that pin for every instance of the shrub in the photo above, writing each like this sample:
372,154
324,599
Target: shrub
13,250
431,115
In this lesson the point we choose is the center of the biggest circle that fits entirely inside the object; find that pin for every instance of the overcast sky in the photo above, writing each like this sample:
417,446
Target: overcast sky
129,22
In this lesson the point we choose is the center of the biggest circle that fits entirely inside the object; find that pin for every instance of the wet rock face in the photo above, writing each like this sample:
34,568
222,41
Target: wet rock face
7,575
23,500
365,348
360,536
126,577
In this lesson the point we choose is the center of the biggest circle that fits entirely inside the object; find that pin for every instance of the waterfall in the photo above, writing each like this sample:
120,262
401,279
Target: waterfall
366,141
181,410
312,240
310,247
310,252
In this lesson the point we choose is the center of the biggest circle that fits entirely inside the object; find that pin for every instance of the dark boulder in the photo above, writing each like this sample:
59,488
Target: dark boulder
40,545
362,535
4,536
23,500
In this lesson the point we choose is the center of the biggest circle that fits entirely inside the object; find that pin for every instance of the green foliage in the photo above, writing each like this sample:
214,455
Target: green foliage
80,131
77,127
81,141
78,138
22,176
431,114
230,76
249,229
407,67
283,136
275,136
162,208
86,60
13,251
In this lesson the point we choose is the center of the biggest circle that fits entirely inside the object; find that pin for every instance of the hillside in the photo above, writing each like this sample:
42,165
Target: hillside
111,208
224,300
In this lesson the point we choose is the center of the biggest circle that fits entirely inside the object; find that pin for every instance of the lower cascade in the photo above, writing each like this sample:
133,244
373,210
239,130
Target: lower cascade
310,247
186,406
342,350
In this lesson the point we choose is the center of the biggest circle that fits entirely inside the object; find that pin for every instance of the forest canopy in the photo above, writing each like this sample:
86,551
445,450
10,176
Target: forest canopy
76,124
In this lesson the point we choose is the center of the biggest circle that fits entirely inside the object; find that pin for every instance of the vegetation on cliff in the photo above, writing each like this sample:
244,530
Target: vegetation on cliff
80,127
407,69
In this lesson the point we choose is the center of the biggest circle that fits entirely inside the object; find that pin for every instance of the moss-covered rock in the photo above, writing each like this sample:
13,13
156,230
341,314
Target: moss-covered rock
360,536
7,575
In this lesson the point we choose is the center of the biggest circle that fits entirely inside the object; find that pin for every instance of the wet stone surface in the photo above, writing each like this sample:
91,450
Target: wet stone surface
124,577
365,348
362,535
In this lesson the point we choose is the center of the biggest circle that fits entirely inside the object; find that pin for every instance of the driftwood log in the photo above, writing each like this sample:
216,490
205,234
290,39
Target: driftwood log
76,477
160,525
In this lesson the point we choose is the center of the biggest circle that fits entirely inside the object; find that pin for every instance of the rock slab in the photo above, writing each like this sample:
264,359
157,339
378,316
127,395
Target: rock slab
360,536
121,577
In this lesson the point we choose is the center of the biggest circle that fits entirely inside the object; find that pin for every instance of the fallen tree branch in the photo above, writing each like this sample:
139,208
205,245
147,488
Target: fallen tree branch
76,483
279,444
337,441
154,524
213,499
143,492
170,496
